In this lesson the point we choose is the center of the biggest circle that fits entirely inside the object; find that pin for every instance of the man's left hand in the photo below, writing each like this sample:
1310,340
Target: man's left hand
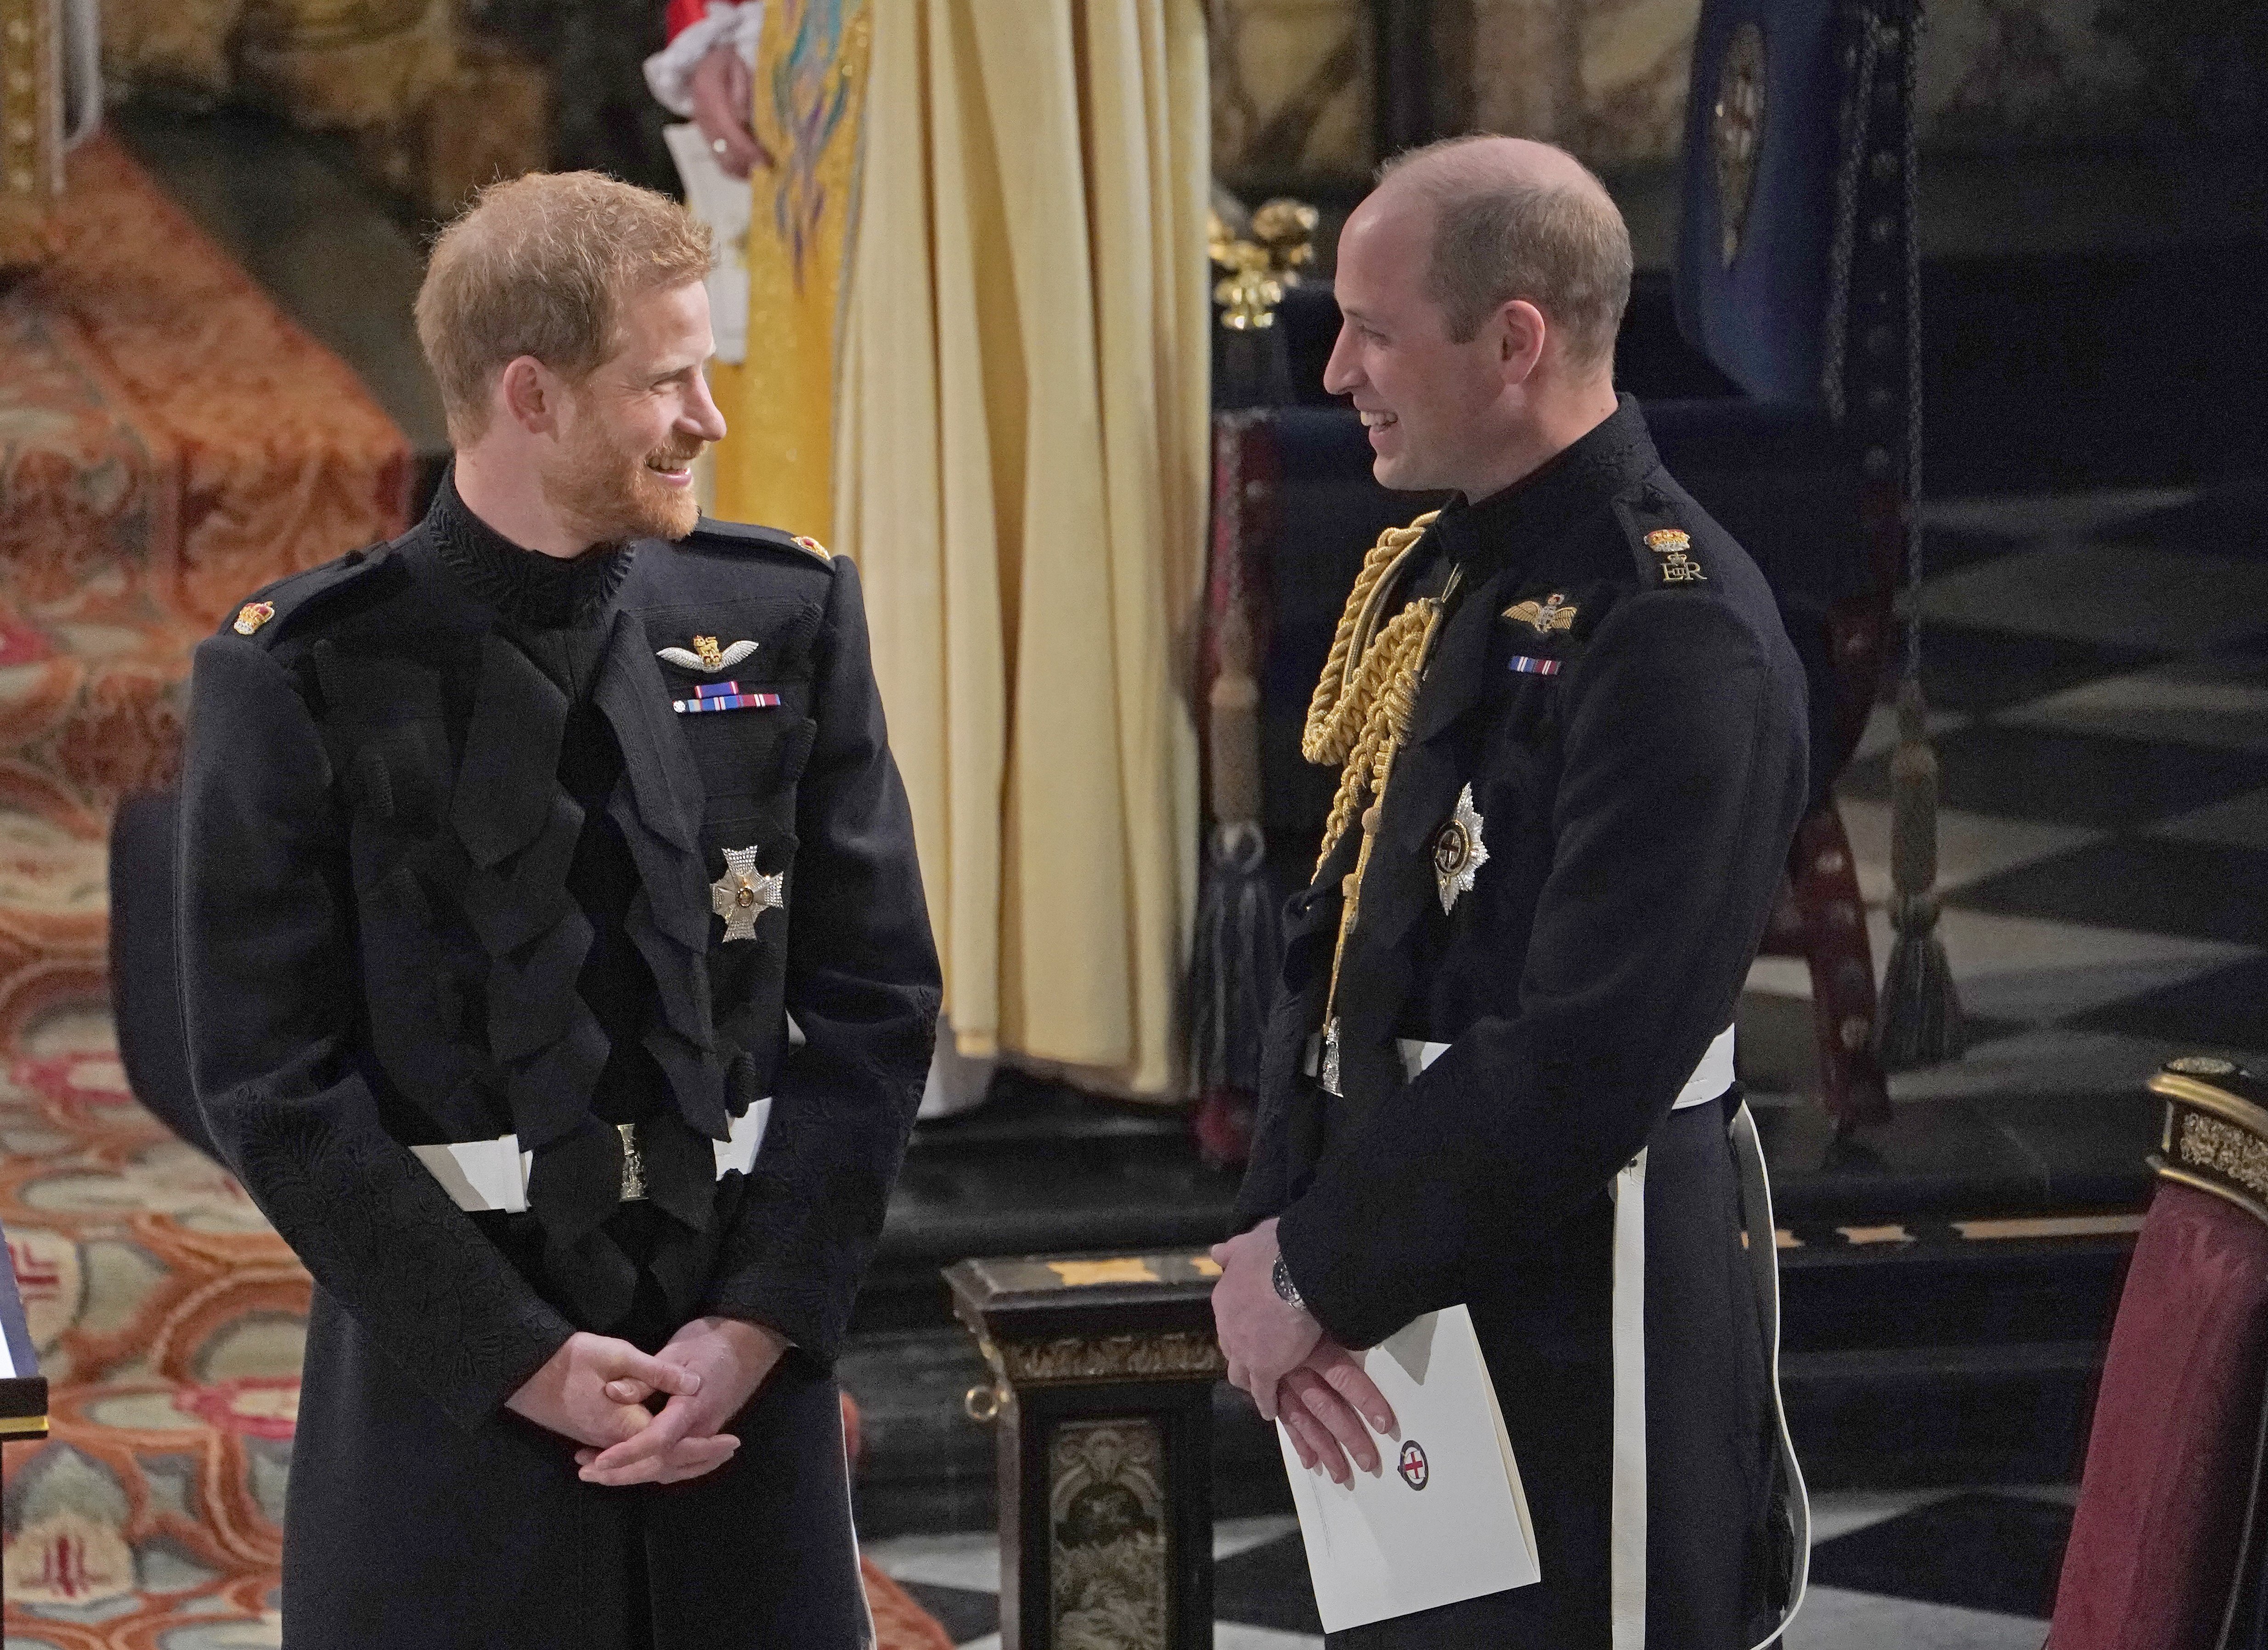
1262,1335
688,1439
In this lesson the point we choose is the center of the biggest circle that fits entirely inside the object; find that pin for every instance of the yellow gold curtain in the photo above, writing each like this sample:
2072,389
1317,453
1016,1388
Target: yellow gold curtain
1019,462
808,100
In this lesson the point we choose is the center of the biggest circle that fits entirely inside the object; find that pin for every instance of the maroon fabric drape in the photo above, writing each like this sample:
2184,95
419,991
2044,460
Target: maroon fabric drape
2169,1464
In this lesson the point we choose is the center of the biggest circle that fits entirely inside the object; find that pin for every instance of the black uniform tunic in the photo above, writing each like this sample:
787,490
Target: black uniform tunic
446,856
1639,771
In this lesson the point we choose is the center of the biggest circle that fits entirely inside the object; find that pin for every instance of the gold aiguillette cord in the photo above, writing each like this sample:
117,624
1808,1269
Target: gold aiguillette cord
1373,705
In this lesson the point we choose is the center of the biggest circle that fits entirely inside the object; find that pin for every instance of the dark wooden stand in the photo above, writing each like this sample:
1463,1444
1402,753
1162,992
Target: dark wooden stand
1102,1376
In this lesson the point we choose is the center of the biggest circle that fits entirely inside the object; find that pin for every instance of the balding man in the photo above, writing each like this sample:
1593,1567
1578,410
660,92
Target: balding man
1571,731
557,980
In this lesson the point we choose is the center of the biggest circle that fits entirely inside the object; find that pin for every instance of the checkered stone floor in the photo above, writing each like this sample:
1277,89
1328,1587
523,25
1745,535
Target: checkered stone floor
1917,1569
2097,672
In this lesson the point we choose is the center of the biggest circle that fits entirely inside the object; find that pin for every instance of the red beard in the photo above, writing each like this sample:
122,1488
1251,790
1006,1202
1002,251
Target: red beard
608,494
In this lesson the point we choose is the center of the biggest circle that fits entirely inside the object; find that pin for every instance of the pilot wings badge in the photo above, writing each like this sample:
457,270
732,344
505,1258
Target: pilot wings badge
1543,617
705,656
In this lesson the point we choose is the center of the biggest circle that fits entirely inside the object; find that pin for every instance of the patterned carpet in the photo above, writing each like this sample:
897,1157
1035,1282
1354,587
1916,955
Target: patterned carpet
170,1321
168,440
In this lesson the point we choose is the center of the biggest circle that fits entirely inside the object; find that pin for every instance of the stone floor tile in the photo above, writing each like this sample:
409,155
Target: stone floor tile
2240,822
2171,704
1832,1619
2065,777
1970,846
2126,594
2162,885
2041,515
963,1558
1972,669
2052,1060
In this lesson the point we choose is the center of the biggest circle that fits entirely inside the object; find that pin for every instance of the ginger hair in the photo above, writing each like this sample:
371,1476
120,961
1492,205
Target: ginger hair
541,265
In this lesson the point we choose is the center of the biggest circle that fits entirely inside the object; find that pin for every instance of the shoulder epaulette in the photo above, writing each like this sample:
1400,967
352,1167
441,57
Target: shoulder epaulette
274,606
1660,543
737,535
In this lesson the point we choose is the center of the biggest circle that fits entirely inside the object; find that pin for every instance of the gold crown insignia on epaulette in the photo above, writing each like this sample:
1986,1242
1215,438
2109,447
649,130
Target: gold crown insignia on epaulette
804,541
1674,546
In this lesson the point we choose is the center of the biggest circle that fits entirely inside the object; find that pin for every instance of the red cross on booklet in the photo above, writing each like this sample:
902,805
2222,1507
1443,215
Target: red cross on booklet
1447,1520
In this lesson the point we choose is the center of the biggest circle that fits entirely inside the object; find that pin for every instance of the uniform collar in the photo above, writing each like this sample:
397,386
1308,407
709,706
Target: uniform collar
1552,497
527,588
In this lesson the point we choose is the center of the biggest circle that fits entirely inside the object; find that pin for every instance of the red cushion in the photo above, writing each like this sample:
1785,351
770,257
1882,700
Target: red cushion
2169,1463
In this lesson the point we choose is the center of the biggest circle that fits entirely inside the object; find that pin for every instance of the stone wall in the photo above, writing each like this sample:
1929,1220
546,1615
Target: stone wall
1291,78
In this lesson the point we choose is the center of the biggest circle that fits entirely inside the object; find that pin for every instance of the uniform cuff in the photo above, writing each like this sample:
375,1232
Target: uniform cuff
669,71
1308,1263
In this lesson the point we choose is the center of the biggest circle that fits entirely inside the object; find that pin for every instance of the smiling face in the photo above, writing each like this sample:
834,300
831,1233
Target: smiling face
1436,409
621,463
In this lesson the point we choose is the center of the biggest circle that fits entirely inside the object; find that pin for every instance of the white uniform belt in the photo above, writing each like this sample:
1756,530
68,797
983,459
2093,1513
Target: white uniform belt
491,1176
1709,1082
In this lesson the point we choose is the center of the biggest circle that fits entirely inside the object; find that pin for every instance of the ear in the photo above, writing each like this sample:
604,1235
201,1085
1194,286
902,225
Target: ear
528,393
1521,333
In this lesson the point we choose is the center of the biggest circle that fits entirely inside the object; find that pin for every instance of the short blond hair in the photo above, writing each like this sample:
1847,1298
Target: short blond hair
541,265
1561,247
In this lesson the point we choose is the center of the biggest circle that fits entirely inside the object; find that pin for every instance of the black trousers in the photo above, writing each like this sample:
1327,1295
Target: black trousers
1710,1454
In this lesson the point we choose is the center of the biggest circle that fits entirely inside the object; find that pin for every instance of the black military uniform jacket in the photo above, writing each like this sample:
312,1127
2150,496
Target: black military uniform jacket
447,854
1629,715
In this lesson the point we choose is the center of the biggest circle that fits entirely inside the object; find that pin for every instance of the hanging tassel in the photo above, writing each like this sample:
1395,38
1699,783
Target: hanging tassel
1230,979
1233,952
1920,1022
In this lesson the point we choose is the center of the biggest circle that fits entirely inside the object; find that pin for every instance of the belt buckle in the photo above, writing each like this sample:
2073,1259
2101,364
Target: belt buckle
633,1164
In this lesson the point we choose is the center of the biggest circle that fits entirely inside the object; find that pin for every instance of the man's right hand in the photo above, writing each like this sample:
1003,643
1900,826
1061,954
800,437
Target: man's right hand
1331,1408
567,1396
721,108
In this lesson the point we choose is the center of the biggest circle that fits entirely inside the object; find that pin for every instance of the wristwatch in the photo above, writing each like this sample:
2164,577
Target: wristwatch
1286,1291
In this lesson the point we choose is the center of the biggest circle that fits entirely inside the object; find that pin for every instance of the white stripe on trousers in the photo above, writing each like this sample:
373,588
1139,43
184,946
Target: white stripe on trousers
1626,1540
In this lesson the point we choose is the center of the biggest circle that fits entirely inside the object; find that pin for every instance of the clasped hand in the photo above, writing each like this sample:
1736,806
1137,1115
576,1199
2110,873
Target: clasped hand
593,1391
1294,1372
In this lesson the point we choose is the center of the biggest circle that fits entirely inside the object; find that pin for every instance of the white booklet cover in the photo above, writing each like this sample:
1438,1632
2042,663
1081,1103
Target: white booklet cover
1446,1520
726,204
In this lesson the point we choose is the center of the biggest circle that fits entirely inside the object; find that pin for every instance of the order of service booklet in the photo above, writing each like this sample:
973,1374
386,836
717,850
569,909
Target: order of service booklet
1446,1520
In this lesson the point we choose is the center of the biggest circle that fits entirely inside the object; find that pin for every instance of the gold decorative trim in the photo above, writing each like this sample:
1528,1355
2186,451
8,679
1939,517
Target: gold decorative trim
2205,1065
1861,1234
2219,1150
1176,1354
2252,1206
31,130
23,1426
2207,1097
2057,1225
1260,270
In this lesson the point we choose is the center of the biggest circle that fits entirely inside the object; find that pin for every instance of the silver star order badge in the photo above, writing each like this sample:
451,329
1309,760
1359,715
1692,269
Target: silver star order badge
744,893
1458,851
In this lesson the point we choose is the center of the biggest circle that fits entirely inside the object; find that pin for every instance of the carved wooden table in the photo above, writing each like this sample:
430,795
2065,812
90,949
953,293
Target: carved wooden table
1102,1376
